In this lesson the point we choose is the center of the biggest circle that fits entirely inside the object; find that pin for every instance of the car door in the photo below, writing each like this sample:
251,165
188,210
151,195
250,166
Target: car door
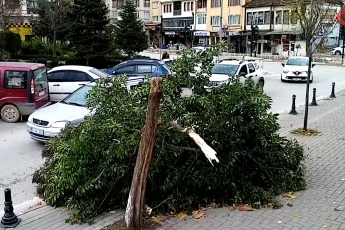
243,73
75,79
252,72
55,80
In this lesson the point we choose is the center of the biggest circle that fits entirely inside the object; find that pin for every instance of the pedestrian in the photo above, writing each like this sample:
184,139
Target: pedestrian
165,55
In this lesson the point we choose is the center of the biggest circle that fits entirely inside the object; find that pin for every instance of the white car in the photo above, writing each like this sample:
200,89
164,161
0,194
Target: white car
337,51
222,71
63,80
296,69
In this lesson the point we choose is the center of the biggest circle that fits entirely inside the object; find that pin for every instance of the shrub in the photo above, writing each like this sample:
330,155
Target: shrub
90,167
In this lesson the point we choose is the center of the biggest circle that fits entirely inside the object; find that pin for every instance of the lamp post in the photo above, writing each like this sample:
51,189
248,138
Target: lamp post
221,21
161,40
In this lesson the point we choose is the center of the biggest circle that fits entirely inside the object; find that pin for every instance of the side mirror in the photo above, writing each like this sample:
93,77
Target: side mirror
283,64
312,65
242,74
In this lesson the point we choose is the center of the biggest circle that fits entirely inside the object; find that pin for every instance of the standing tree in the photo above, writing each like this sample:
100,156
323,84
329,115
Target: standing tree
87,31
130,35
52,21
317,19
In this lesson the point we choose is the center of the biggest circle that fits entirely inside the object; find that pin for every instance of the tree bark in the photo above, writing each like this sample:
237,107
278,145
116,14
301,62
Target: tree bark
135,205
54,43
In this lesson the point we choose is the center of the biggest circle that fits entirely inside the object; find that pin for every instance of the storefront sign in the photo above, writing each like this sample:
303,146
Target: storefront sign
262,41
151,27
201,34
170,33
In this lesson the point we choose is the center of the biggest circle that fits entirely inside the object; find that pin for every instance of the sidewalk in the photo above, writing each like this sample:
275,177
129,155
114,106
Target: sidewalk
321,206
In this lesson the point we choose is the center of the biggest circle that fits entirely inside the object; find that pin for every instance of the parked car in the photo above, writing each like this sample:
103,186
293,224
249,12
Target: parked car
63,80
222,71
337,50
140,68
23,89
48,122
296,69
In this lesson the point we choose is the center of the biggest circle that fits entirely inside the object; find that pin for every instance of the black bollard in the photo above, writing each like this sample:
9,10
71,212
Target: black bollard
333,93
293,107
313,102
9,220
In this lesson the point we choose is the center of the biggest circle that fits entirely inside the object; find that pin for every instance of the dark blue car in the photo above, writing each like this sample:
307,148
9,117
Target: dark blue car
140,68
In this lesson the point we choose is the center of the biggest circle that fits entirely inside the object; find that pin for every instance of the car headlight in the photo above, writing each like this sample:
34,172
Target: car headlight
60,124
285,71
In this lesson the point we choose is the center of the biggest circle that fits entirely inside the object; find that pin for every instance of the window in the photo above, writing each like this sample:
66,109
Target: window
249,18
16,79
188,6
155,18
202,4
278,17
125,70
117,3
75,76
251,68
215,20
267,17
234,20
192,6
154,5
215,3
144,69
286,17
294,17
57,76
201,19
98,72
146,15
260,18
79,96
136,3
116,15
167,8
244,70
40,76
233,2
146,3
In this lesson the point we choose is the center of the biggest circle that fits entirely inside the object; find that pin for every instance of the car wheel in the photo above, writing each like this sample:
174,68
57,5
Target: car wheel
10,113
260,86
337,52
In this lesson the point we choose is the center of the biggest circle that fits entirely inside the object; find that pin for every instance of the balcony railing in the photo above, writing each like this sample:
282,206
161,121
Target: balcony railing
177,12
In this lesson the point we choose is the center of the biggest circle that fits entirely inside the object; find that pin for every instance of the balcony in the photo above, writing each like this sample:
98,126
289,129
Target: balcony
177,12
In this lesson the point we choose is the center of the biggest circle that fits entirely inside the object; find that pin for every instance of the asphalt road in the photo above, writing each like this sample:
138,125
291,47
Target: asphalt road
20,156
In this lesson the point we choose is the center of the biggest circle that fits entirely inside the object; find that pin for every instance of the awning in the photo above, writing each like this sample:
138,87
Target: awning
278,32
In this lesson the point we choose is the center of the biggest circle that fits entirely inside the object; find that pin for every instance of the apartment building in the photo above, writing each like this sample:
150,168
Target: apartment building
279,33
115,7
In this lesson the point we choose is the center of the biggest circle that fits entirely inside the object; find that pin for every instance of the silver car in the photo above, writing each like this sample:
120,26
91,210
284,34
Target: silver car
48,122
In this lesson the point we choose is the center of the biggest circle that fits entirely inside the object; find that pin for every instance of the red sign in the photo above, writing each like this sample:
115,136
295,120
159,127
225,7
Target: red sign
341,17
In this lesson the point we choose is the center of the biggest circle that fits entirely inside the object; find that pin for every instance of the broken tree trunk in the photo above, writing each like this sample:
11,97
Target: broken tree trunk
205,148
135,204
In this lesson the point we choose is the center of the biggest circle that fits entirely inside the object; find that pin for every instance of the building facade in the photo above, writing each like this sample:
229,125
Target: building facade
116,6
279,32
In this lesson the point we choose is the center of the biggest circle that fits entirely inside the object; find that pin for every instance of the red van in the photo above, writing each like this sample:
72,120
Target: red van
23,89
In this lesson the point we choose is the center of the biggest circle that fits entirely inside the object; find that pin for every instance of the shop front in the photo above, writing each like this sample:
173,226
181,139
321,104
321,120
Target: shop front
286,43
201,38
176,31
231,38
154,34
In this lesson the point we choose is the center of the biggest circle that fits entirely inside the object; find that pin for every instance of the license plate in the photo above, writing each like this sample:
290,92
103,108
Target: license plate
37,131
41,93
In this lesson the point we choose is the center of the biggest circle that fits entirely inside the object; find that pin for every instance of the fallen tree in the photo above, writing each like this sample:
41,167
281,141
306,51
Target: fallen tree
90,167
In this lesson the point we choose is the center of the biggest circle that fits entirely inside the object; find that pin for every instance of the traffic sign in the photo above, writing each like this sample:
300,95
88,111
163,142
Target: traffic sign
341,17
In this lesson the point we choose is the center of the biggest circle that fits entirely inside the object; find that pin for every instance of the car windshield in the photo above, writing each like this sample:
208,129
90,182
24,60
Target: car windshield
78,97
224,69
98,72
297,61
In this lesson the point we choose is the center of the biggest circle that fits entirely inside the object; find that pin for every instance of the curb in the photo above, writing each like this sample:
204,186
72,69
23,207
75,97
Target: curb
320,98
27,206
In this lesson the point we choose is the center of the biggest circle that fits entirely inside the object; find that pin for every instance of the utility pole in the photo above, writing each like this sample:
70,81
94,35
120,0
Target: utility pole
221,21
